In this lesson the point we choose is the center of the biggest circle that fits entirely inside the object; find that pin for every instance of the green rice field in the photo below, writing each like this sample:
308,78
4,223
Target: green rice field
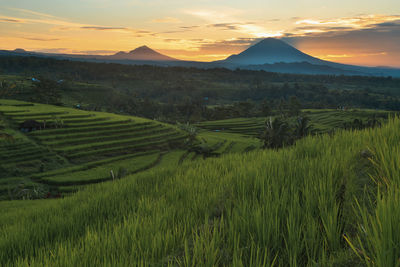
326,201
132,195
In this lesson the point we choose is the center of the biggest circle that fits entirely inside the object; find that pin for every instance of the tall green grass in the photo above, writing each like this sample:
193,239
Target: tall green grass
292,207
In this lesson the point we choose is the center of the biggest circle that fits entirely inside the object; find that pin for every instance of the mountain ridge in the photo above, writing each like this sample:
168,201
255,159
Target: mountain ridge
270,54
143,53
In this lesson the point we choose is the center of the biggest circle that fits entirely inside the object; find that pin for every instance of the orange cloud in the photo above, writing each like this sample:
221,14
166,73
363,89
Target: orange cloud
347,23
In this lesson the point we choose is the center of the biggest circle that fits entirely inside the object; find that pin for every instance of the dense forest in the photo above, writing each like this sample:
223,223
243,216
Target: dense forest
187,94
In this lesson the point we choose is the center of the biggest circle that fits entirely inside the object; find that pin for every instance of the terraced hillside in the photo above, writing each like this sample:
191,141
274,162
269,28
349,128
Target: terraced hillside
329,200
322,120
72,147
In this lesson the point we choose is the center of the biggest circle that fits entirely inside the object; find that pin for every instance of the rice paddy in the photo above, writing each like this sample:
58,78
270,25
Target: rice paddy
134,196
326,201
323,121
74,147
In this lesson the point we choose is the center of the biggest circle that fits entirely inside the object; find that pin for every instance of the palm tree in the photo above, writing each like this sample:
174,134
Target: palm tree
303,128
276,133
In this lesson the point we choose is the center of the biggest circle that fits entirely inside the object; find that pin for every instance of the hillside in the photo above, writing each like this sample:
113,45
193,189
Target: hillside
321,121
322,209
74,148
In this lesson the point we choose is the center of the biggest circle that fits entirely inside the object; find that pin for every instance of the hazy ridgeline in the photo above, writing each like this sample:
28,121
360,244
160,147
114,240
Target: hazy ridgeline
293,207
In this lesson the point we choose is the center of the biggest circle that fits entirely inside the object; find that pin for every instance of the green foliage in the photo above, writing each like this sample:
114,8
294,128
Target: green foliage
6,88
203,148
188,94
77,147
22,191
277,133
359,124
294,106
191,131
46,91
287,207
302,127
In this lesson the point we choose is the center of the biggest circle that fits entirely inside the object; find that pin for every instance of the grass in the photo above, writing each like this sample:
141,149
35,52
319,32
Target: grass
291,207
102,173
83,149
323,121
326,201
227,142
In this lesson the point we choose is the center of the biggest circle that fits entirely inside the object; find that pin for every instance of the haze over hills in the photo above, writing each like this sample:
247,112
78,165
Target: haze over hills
270,54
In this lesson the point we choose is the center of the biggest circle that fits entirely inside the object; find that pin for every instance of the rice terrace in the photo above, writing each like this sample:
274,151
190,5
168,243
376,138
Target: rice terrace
249,134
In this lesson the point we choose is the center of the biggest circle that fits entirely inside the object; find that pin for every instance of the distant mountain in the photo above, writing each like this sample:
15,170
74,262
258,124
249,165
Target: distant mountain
277,56
272,55
270,51
19,50
142,53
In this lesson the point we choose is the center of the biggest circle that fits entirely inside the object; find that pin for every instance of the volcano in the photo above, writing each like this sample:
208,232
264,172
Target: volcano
271,51
143,53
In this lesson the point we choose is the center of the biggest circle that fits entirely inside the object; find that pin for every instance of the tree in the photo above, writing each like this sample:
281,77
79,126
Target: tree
6,88
46,91
265,108
282,108
294,106
191,131
276,133
302,127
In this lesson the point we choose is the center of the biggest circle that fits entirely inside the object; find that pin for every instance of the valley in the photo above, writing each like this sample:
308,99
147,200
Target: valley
263,155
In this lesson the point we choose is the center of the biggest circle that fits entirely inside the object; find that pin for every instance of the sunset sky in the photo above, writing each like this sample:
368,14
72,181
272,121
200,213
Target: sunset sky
362,32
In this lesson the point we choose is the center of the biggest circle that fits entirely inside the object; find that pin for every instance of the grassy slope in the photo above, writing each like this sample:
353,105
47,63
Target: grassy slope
322,121
291,207
89,146
84,150
226,142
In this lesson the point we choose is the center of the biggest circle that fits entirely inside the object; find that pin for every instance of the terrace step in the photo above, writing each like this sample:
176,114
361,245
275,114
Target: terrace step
28,114
24,118
27,158
96,139
126,149
101,145
100,132
83,128
90,165
21,153
106,177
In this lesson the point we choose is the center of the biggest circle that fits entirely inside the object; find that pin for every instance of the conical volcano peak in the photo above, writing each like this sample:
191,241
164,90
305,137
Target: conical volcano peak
270,51
271,40
143,49
142,53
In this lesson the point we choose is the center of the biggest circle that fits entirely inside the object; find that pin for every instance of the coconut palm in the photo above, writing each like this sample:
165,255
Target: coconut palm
276,133
303,127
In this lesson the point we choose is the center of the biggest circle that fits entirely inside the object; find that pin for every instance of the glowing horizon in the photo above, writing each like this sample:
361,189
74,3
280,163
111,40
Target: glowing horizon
359,32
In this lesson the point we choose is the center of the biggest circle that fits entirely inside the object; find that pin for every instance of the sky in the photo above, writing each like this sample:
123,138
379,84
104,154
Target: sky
361,32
